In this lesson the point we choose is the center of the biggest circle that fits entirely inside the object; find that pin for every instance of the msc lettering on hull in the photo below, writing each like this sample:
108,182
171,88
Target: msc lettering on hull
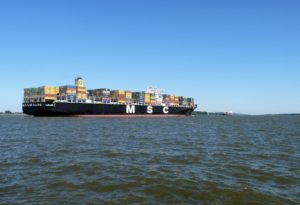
130,109
149,109
166,110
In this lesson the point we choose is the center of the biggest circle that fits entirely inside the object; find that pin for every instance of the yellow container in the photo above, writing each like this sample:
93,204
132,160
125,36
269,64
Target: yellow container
118,96
147,97
48,89
49,98
121,101
153,102
81,95
120,92
128,94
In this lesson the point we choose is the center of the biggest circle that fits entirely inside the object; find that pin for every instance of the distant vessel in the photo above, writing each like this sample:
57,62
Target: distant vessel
75,100
230,113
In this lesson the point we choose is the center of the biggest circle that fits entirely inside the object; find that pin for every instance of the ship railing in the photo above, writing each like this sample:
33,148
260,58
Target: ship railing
118,103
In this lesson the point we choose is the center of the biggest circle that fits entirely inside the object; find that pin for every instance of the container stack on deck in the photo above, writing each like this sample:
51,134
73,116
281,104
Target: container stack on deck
67,93
40,94
176,100
118,96
31,95
138,97
167,99
128,96
147,98
99,95
105,95
152,99
78,93
190,102
182,101
48,93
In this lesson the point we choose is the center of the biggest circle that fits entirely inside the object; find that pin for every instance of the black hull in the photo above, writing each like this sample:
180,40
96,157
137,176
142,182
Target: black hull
92,109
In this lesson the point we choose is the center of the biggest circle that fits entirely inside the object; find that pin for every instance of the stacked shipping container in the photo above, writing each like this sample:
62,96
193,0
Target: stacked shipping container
152,99
167,99
190,102
128,96
100,95
67,93
118,96
78,93
138,97
48,93
182,100
147,99
41,94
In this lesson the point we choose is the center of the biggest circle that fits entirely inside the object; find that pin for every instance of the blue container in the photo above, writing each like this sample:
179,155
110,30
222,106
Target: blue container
70,86
71,97
106,95
141,100
106,101
82,100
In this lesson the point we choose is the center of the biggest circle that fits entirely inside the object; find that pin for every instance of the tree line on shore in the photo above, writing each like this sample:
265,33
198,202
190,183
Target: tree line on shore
8,112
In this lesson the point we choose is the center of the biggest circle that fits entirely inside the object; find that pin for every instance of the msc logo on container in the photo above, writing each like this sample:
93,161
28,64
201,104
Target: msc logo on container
130,109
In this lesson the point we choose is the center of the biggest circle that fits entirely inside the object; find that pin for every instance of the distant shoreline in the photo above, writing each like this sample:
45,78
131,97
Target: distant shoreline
12,113
237,114
196,113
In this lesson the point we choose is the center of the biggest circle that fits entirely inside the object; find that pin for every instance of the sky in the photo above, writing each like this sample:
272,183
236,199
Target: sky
234,55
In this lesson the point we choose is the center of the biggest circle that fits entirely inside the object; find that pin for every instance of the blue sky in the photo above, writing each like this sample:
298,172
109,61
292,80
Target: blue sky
229,55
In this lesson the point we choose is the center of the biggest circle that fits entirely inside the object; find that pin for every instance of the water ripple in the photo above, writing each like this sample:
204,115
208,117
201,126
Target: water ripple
198,160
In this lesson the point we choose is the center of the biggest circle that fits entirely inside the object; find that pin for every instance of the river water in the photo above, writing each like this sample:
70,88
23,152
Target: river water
189,160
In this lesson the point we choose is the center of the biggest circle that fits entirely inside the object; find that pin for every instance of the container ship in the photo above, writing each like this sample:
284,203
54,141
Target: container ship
76,100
